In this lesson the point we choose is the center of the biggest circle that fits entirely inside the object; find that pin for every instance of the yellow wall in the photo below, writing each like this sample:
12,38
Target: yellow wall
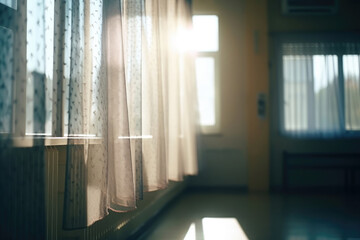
246,30
257,82
244,139
231,68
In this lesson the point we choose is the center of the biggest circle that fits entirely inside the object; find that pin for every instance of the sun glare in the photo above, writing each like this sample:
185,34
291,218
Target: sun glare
184,40
218,228
222,228
206,33
191,233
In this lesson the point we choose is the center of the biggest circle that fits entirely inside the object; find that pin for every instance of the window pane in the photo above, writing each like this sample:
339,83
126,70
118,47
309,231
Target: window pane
311,94
9,3
206,32
205,78
97,86
351,66
39,55
296,80
91,79
327,94
6,76
67,66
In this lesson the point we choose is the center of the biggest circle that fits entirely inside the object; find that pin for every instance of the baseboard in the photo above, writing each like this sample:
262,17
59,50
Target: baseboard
314,189
147,211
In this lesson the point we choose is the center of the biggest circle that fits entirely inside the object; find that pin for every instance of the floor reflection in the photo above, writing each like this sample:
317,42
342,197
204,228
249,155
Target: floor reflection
216,228
203,215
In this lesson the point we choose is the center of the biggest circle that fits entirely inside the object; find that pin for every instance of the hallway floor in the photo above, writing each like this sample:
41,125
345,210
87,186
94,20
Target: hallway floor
230,215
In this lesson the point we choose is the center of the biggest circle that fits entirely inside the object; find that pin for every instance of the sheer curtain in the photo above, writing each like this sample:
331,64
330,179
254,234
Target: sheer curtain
25,116
110,78
140,100
320,89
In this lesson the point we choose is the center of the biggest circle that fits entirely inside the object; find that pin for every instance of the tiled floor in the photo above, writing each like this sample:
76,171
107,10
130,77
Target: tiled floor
260,216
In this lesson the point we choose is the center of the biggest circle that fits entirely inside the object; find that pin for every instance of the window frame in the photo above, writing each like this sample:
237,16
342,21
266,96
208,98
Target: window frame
216,128
18,134
285,38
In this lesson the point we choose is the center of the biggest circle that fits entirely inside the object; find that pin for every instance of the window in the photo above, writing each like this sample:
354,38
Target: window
6,75
206,33
35,75
351,67
87,52
39,56
26,52
7,68
321,89
9,3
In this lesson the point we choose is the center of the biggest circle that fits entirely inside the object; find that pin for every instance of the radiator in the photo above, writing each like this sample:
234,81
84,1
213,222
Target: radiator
52,192
22,189
31,201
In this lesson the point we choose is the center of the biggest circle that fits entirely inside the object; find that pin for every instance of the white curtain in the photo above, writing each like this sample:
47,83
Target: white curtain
320,89
136,105
109,77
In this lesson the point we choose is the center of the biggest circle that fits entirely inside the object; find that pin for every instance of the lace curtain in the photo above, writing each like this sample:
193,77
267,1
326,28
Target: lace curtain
137,111
110,78
320,89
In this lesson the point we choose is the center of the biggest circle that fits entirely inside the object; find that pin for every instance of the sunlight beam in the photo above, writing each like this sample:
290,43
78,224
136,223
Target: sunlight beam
191,233
223,228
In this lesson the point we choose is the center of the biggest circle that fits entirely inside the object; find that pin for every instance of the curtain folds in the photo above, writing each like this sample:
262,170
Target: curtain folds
131,104
107,76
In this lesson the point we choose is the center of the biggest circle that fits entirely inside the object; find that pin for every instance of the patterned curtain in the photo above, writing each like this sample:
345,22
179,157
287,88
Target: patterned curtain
109,78
131,105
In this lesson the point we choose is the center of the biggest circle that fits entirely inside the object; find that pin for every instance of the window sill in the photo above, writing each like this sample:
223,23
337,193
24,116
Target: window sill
212,134
320,136
53,141
210,130
31,141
